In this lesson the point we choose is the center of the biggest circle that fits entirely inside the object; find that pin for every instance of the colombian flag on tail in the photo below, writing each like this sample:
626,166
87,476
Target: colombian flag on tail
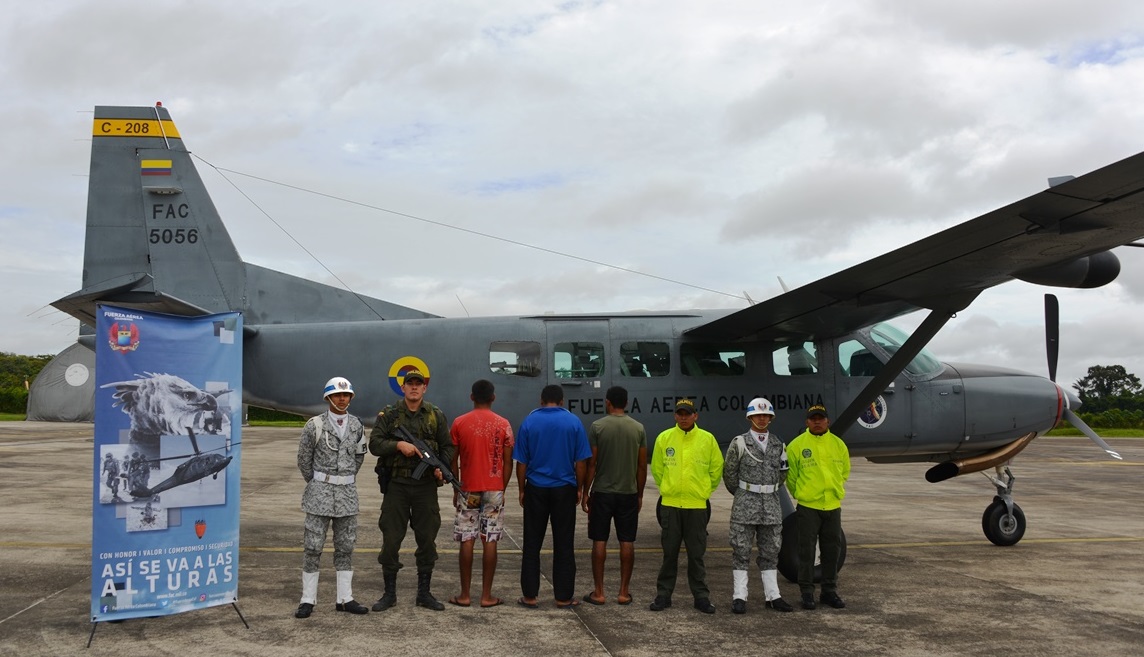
155,167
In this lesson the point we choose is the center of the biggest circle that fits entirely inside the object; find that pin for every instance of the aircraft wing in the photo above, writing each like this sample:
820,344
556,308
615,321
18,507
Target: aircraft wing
1046,238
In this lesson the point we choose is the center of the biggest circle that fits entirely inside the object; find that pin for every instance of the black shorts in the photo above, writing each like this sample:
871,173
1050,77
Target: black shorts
606,507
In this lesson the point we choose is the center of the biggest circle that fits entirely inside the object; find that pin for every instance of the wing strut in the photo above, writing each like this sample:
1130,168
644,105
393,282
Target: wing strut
913,346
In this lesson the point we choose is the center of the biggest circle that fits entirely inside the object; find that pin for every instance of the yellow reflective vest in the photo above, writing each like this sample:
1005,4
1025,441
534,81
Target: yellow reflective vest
819,468
687,467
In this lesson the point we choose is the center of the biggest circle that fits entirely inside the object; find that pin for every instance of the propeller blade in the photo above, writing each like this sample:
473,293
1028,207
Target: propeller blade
1052,333
1084,428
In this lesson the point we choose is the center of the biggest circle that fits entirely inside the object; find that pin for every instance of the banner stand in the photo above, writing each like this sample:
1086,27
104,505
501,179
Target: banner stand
167,464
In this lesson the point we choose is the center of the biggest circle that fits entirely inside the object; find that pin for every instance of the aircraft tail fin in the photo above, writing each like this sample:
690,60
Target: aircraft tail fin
156,242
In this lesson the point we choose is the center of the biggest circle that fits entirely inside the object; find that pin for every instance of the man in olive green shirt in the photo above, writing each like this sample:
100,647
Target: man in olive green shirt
613,490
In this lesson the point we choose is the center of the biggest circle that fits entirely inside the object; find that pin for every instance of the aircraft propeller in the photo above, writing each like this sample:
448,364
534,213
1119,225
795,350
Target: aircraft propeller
1052,346
1052,333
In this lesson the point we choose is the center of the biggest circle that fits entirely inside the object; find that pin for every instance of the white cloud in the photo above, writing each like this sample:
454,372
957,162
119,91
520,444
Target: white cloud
755,140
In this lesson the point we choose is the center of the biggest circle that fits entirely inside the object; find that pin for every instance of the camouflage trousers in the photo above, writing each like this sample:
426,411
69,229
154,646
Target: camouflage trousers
314,539
769,539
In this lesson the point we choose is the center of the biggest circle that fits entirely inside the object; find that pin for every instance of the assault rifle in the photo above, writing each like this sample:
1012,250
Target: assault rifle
429,459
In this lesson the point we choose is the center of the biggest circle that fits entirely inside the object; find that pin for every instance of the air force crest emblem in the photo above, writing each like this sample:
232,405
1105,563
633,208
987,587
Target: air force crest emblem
123,337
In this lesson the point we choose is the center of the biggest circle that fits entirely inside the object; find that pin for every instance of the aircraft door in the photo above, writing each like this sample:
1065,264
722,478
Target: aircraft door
578,362
939,414
885,428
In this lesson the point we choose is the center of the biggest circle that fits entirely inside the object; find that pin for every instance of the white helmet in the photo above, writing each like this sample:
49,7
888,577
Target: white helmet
338,384
760,406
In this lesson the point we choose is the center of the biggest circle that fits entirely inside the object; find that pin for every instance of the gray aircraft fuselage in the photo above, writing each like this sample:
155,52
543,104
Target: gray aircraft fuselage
961,409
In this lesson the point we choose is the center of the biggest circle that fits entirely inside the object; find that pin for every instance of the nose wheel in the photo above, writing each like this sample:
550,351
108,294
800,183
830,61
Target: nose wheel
1003,521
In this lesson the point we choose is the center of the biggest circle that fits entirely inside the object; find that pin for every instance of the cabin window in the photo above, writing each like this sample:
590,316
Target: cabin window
644,359
699,359
795,359
578,360
856,360
521,358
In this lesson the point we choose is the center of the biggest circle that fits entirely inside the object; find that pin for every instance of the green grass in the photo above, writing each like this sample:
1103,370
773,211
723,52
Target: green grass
278,423
20,417
298,422
1103,433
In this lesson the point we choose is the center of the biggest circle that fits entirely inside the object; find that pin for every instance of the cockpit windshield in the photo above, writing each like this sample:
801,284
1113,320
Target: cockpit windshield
892,338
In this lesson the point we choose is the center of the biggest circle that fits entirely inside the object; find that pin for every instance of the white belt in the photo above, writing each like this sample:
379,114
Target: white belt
339,480
758,488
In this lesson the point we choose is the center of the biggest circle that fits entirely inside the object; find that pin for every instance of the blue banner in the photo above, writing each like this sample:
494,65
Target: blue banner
168,423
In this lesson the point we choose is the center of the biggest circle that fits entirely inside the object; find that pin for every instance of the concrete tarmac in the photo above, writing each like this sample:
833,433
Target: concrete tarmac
920,578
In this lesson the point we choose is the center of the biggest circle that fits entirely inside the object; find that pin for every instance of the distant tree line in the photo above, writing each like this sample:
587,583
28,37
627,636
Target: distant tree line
1111,397
15,371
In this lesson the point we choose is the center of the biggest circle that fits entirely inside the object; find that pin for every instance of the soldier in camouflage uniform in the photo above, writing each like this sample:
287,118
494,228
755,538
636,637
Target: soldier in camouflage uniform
330,453
111,467
408,502
754,470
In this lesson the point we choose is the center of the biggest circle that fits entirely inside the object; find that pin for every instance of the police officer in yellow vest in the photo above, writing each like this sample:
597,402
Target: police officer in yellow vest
819,467
687,465
409,502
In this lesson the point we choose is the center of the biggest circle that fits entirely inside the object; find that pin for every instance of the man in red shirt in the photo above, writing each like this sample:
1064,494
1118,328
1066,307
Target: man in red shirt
482,461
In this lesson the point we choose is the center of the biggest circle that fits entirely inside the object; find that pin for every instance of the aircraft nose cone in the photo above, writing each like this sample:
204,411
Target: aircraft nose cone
1074,401
1001,405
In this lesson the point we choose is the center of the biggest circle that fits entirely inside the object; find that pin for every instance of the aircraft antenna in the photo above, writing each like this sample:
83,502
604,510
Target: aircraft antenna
286,232
159,120
470,231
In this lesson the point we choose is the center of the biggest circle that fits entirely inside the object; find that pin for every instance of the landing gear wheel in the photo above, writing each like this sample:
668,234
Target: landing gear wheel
1001,527
788,553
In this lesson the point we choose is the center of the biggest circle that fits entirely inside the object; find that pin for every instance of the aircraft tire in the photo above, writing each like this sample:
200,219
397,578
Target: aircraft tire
788,553
1000,527
986,515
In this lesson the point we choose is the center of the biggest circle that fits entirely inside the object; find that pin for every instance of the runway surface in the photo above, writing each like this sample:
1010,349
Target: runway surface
920,577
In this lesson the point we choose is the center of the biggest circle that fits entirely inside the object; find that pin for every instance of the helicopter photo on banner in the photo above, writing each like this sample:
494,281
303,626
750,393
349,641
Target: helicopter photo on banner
165,509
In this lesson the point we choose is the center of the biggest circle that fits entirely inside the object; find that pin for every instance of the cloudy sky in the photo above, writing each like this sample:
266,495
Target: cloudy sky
714,146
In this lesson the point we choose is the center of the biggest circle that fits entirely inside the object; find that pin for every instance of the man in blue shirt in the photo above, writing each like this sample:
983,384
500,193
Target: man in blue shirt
551,454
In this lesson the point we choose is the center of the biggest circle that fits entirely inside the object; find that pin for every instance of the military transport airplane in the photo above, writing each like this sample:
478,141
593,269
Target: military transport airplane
155,242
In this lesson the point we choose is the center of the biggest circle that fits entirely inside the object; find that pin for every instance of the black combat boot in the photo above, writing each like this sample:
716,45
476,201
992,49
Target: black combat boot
424,597
390,597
